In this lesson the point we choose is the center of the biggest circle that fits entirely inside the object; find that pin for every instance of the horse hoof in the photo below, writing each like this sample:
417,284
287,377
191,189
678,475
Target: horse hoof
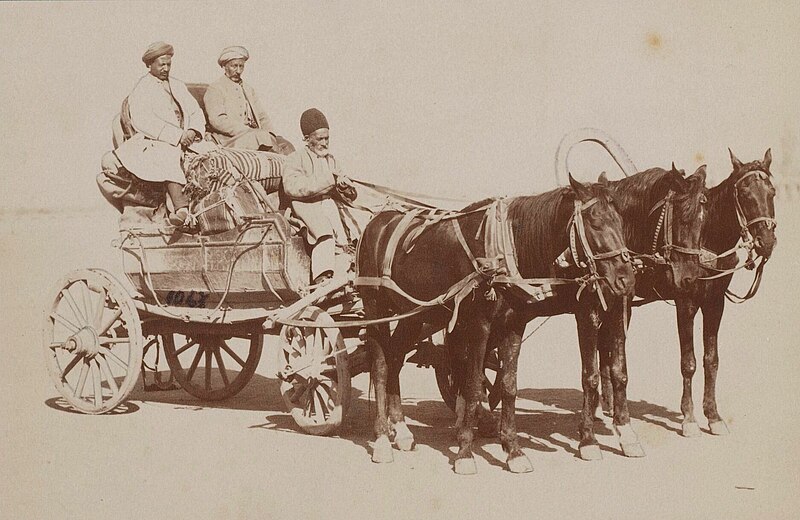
691,429
718,428
465,466
403,437
519,464
382,450
590,452
632,450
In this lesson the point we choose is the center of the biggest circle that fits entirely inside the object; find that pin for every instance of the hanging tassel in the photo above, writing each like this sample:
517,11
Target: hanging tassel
490,295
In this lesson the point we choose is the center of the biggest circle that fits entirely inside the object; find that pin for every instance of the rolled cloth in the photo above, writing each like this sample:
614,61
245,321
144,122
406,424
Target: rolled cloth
155,51
312,120
231,53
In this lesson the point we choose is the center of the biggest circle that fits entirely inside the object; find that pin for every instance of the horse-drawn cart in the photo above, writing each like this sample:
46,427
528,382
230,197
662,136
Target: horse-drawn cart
206,302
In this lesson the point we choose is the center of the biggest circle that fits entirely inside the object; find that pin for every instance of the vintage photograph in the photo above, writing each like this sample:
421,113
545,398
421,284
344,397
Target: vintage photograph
399,260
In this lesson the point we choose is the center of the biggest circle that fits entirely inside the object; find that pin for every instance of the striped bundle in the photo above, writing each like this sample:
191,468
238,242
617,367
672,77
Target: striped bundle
207,173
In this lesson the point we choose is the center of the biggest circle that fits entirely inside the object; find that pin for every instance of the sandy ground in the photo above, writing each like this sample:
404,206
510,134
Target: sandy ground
170,456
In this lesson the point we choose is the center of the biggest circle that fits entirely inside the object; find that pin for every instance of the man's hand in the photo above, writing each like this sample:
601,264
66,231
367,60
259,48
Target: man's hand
343,181
188,137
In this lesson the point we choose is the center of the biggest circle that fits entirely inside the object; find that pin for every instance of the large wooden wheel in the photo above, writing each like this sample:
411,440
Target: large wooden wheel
213,367
93,341
315,374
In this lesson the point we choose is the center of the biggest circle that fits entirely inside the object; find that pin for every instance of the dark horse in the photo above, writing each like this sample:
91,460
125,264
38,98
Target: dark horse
663,223
741,206
579,220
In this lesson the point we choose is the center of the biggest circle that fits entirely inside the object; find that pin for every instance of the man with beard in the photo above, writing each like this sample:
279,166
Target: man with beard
312,181
236,116
166,120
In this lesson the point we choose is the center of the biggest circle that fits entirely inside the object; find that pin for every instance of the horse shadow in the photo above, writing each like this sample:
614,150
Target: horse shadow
547,422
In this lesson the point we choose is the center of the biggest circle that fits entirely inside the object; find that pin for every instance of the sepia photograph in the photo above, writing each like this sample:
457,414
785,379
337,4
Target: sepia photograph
358,260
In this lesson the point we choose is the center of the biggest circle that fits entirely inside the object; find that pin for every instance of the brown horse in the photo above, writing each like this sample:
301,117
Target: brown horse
663,215
741,206
445,254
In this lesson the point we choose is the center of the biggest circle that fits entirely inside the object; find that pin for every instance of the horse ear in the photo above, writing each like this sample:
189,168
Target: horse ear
767,159
737,164
581,191
603,179
699,175
677,181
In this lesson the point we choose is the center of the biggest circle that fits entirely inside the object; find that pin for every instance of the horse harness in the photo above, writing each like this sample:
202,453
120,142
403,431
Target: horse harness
499,266
747,243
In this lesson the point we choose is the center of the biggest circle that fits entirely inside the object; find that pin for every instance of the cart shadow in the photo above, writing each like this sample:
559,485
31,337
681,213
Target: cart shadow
60,404
260,394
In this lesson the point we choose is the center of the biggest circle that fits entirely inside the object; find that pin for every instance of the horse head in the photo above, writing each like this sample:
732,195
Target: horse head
680,223
755,202
600,230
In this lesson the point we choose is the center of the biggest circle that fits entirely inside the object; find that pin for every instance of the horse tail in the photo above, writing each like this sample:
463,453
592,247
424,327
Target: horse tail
596,136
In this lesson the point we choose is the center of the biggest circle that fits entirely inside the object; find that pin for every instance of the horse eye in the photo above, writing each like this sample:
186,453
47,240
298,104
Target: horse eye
703,199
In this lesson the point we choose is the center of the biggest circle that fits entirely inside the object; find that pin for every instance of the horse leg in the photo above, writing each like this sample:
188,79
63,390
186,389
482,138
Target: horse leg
402,341
607,393
516,460
686,311
712,316
476,337
378,340
588,323
614,323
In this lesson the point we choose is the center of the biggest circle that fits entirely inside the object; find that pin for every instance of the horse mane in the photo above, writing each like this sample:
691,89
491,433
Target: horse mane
537,241
636,195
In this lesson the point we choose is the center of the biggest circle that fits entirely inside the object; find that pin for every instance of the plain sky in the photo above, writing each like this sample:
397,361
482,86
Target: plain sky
462,99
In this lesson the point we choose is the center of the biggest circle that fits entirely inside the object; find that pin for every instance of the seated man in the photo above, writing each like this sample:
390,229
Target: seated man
236,117
167,120
311,180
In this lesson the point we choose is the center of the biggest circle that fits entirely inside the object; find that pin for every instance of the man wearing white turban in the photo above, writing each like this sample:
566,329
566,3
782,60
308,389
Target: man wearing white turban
166,119
236,116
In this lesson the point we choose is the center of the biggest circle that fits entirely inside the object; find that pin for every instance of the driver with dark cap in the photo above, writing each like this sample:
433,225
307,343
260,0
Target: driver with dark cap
312,181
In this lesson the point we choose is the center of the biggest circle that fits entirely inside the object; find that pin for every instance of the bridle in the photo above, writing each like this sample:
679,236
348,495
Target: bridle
572,256
744,223
665,223
748,244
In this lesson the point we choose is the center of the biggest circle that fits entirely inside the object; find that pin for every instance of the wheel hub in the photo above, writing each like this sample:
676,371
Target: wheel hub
84,342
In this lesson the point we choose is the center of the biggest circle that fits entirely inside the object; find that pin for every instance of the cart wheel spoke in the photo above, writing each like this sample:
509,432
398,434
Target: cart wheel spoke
115,358
100,307
82,379
86,300
195,363
65,322
109,322
73,305
186,347
233,354
208,370
109,375
98,384
221,366
75,359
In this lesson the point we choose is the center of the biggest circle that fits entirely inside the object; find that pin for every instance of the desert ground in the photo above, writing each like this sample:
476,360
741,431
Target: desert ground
165,454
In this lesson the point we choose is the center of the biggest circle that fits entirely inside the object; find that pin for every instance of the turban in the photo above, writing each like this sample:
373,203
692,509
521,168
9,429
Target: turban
311,120
232,53
155,51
